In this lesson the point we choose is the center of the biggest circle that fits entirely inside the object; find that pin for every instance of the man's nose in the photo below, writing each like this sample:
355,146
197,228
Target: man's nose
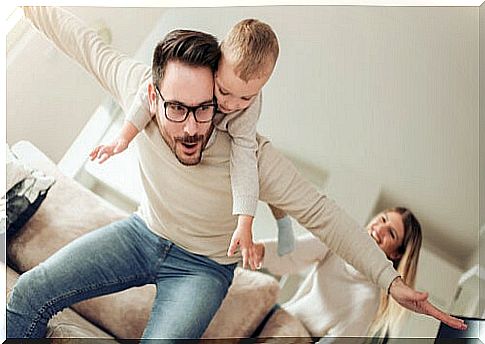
190,124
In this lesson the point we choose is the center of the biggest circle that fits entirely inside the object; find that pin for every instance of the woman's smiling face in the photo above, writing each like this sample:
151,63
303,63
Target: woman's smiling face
387,229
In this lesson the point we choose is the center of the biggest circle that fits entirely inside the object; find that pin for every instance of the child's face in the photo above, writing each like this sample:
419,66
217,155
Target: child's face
232,93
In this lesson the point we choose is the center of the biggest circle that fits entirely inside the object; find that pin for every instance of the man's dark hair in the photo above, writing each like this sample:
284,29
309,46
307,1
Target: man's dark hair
194,48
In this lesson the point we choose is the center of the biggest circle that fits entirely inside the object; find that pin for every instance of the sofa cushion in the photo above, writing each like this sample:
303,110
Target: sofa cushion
283,324
249,299
126,314
66,323
70,211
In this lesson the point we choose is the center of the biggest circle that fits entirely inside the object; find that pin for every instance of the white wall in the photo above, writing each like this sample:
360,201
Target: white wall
391,93
61,96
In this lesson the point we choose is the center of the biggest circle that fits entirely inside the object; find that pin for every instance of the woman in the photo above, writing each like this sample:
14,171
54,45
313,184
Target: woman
337,300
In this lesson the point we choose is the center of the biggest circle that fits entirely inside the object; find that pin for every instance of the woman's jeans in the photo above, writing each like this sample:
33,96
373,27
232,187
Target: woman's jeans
125,254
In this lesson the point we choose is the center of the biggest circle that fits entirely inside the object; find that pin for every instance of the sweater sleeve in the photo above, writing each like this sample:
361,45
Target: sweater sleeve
308,250
243,166
117,73
283,187
139,113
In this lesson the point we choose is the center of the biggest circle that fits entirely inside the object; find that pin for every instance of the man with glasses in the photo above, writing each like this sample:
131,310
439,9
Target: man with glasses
188,145
178,238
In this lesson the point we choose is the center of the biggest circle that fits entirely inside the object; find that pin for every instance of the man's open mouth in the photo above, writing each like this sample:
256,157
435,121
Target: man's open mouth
189,145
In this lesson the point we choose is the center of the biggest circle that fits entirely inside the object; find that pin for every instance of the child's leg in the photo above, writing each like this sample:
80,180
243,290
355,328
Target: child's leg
286,239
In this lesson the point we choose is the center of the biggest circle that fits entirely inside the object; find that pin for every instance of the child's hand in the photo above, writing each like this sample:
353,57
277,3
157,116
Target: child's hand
243,238
104,152
259,252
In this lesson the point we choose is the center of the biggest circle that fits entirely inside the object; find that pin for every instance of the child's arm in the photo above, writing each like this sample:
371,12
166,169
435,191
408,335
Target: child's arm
138,117
309,249
244,179
244,166
118,145
243,237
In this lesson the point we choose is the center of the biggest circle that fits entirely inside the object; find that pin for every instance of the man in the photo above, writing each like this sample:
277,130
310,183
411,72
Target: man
178,238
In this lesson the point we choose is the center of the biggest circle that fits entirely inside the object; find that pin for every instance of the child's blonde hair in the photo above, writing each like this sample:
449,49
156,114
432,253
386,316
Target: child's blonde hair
252,46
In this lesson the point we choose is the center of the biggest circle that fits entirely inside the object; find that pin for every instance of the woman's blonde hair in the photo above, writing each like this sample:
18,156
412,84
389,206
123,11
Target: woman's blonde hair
390,314
252,46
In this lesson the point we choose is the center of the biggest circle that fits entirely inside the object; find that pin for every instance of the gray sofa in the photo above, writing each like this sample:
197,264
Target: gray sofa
69,211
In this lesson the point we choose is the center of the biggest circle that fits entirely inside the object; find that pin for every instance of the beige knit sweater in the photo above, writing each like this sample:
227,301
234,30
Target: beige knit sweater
192,206
241,126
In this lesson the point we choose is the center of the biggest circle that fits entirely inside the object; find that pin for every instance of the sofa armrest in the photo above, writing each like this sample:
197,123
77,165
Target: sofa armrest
69,211
26,151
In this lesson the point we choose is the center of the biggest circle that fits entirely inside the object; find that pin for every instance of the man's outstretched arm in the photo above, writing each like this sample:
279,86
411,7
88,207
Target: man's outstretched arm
117,73
283,187
418,302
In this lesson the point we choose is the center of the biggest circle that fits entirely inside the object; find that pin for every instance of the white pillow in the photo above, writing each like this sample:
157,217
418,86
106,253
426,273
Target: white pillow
15,169
26,188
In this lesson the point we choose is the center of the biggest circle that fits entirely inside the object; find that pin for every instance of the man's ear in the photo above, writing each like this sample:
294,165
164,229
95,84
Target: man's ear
152,98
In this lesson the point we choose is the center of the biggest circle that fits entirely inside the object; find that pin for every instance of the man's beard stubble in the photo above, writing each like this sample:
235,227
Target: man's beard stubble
188,139
185,139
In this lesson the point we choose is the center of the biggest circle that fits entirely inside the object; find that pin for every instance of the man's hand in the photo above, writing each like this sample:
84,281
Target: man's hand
243,238
418,302
104,152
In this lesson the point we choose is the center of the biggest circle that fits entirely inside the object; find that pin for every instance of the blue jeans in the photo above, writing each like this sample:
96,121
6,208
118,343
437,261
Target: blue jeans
125,254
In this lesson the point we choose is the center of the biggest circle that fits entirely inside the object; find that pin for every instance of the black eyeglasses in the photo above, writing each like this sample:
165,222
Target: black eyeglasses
176,112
